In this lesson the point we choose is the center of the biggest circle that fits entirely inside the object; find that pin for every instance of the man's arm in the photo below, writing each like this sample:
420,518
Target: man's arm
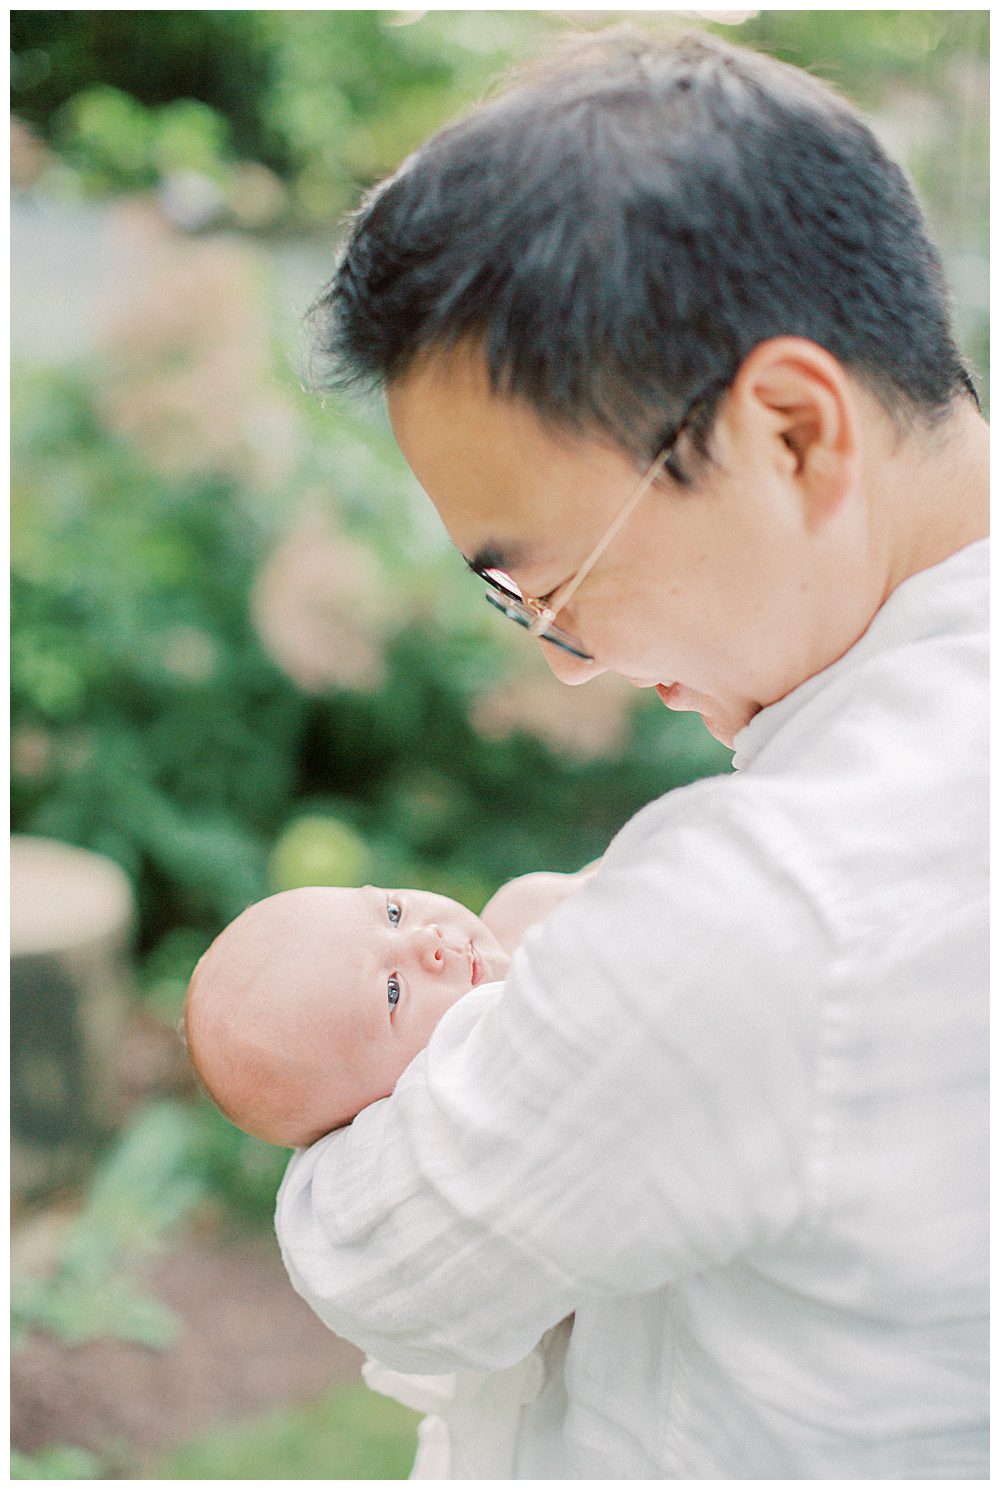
630,1106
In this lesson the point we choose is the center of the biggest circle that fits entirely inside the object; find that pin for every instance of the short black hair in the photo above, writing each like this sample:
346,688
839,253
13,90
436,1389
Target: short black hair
621,226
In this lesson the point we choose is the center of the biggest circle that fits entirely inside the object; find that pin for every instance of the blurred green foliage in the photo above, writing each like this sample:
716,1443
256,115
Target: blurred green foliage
240,1174
169,734
116,142
288,115
326,100
58,1462
863,51
347,1434
144,1187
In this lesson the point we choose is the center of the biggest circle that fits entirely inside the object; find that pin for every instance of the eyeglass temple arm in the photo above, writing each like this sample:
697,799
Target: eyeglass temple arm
562,598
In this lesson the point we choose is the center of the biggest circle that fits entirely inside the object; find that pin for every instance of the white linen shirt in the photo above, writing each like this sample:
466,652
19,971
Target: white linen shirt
729,1107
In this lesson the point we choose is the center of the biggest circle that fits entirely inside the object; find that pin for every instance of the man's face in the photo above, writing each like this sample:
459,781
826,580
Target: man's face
705,594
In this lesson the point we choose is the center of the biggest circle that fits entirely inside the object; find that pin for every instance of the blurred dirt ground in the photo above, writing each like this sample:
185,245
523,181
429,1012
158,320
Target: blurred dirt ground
247,1343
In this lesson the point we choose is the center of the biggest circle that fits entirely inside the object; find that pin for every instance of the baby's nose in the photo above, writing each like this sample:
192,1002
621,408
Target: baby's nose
429,947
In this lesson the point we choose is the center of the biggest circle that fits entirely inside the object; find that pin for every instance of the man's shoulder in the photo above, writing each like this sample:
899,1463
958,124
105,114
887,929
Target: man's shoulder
716,864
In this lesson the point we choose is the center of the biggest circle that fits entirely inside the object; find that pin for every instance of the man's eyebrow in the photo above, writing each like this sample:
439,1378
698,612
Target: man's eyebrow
496,555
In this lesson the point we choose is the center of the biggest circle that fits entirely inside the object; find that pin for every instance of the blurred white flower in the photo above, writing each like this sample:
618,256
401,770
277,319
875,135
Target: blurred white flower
29,157
191,380
586,722
255,195
191,200
322,607
30,752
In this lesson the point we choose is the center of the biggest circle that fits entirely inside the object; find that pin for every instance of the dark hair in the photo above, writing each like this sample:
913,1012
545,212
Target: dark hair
625,223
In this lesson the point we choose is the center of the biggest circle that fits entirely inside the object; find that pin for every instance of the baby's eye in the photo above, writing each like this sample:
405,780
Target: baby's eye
394,992
394,911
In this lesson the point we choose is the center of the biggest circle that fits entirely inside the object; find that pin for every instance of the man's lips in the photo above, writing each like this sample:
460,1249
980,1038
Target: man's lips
670,694
674,695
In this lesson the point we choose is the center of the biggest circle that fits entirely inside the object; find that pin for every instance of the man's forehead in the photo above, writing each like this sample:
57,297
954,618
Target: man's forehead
510,489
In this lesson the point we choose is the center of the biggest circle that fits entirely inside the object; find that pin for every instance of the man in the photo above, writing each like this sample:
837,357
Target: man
664,339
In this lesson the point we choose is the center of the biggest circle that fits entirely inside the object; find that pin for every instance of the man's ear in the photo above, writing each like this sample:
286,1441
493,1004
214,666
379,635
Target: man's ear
796,403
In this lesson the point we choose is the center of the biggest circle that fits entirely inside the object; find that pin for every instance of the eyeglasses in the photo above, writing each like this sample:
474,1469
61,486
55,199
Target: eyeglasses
538,616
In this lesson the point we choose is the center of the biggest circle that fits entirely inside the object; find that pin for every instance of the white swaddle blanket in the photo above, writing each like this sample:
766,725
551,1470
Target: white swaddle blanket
470,1431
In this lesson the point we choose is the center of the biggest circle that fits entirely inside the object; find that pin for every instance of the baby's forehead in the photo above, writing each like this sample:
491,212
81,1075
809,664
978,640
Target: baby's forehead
283,957
292,912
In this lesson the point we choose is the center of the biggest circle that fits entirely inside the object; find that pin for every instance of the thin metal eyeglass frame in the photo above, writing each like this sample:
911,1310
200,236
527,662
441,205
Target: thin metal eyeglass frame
537,616
515,610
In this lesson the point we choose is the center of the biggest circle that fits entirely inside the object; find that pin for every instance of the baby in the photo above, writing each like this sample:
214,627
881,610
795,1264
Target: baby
311,1004
309,1007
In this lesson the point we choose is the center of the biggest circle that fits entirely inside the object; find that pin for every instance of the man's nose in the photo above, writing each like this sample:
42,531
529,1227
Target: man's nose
566,667
427,944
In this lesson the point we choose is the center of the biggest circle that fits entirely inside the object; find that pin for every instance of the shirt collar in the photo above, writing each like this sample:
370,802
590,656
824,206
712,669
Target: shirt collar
922,605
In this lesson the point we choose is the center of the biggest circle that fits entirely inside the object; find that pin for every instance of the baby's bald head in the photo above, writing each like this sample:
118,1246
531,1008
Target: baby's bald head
269,1035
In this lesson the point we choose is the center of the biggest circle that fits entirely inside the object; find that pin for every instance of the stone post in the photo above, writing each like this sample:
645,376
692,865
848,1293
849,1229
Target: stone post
72,915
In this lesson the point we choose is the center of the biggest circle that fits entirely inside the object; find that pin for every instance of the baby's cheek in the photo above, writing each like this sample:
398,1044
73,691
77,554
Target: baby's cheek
366,1069
400,1056
434,1004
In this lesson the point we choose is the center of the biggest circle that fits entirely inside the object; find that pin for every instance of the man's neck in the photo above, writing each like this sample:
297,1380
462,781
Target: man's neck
935,493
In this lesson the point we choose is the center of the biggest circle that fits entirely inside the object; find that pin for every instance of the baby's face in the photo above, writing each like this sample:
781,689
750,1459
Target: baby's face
311,1004
405,956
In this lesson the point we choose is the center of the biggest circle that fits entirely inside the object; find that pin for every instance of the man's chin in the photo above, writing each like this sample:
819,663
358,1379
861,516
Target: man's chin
724,733
722,723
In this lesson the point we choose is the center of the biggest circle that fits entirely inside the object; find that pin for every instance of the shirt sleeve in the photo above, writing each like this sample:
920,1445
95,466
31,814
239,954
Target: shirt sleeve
632,1105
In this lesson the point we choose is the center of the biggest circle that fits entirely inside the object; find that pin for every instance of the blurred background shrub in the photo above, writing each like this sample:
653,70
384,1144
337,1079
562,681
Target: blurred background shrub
244,656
